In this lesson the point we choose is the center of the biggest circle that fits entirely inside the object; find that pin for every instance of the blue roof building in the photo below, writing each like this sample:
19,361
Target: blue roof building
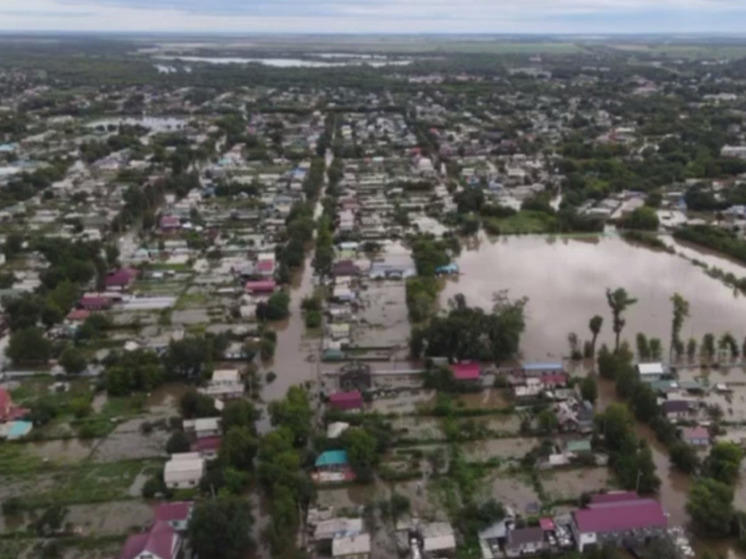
556,367
19,429
331,459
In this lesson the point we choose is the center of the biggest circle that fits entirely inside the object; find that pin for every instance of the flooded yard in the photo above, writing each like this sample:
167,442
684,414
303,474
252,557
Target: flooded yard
567,278
63,451
569,484
109,519
129,442
350,497
503,449
512,491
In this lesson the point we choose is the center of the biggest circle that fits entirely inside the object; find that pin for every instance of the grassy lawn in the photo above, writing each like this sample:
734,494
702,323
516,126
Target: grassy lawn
524,222
92,483
17,461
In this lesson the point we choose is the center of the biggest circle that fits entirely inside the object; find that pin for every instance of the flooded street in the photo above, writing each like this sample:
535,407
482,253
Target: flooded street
565,281
297,356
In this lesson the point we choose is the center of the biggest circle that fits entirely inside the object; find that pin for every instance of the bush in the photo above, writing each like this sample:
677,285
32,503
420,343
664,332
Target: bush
313,319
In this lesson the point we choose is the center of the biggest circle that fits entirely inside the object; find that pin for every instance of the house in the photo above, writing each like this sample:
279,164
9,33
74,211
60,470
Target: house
119,280
578,446
393,267
677,409
346,401
438,537
9,411
184,470
160,542
203,426
538,370
696,436
260,287
175,514
207,447
466,372
650,372
525,541
355,377
345,268
15,430
265,265
614,517
93,303
352,547
338,527
169,223
491,538
332,466
225,384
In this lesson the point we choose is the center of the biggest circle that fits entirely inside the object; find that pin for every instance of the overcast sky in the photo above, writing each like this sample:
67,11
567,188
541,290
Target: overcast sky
377,16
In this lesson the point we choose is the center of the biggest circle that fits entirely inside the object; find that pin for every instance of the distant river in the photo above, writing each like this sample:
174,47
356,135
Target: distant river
287,62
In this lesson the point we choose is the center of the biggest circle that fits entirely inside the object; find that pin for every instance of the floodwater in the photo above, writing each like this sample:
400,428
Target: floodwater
568,484
287,62
565,280
296,359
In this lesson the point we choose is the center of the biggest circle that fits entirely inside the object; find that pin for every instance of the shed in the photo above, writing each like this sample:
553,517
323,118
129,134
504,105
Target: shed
650,372
357,546
184,470
696,436
438,536
263,286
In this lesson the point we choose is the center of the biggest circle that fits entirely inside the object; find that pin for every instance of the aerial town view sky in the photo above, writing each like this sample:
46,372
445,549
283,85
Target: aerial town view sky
377,16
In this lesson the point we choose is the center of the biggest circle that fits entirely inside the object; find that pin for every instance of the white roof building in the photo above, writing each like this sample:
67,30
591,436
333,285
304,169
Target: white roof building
184,470
438,536
358,545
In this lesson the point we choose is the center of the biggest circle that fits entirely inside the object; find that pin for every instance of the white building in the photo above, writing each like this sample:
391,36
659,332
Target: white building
184,470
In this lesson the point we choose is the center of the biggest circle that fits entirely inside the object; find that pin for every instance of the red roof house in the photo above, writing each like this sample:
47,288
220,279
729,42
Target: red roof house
9,411
78,315
465,371
346,400
264,286
616,517
91,303
176,514
170,223
160,542
120,279
208,447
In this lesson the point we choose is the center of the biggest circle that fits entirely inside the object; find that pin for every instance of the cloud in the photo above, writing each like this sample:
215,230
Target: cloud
375,16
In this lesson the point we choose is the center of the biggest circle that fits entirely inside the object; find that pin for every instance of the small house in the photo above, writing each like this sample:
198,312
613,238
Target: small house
337,527
696,436
203,426
119,280
447,270
332,466
538,370
10,411
466,372
92,303
160,542
351,547
169,224
261,287
207,447
675,410
346,401
184,470
175,514
650,372
438,538
525,541
226,384
345,268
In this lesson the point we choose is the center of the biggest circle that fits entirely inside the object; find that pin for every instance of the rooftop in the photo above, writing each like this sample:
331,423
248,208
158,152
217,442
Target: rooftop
332,458
619,513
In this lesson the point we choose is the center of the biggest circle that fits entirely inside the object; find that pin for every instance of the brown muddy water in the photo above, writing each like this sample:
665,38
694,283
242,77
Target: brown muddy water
674,485
63,451
565,280
296,359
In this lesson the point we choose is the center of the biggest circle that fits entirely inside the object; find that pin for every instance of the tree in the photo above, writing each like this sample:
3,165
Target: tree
645,402
220,528
654,345
643,347
28,346
710,506
13,245
680,314
293,412
691,349
178,442
238,448
277,307
684,457
618,301
595,325
73,361
194,405
723,464
547,422
239,413
708,346
643,218
589,389
362,452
